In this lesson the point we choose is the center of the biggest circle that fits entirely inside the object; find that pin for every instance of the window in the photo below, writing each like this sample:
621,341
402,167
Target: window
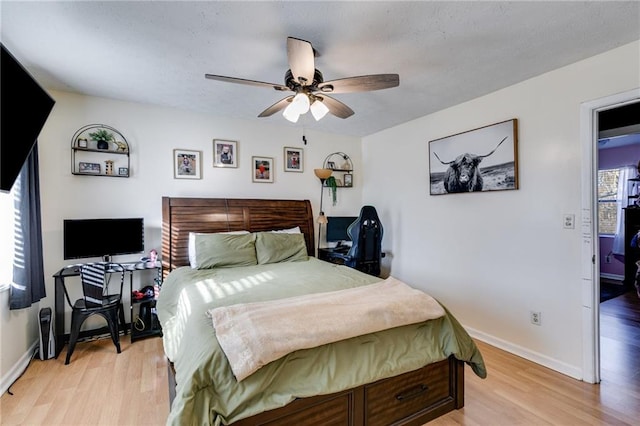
7,216
607,203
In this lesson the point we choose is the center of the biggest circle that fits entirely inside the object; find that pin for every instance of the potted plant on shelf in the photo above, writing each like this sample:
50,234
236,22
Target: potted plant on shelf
331,183
102,137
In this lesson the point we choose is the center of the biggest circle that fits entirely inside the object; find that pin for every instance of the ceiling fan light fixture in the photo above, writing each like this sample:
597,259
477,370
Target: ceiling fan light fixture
300,103
291,114
318,109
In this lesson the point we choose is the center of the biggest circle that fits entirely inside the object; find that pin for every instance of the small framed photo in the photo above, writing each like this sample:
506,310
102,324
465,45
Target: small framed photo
89,168
348,179
225,153
82,142
293,159
123,171
187,164
262,169
331,165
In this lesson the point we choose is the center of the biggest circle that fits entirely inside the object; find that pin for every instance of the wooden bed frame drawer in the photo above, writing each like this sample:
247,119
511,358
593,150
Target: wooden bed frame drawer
336,409
399,398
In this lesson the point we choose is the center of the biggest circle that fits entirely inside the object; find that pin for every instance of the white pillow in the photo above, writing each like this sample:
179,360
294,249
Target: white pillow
192,244
295,230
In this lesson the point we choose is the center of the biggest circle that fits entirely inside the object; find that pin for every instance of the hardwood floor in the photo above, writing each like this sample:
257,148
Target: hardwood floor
100,387
518,391
620,341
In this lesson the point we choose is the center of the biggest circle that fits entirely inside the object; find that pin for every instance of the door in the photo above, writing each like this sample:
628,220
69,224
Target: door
589,227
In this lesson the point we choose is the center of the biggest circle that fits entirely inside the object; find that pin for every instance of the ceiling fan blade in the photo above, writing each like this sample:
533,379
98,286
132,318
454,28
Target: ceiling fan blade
278,87
280,105
364,83
336,107
301,60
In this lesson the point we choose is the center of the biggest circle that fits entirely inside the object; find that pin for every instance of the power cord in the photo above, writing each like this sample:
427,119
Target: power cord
139,324
23,371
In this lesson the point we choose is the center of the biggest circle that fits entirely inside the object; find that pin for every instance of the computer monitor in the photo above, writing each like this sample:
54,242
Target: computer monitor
84,238
337,227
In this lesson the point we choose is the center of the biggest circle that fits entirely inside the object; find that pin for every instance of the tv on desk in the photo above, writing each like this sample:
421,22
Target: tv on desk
102,237
337,228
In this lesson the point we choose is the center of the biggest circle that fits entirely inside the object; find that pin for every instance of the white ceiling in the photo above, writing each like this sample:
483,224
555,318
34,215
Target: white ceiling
445,52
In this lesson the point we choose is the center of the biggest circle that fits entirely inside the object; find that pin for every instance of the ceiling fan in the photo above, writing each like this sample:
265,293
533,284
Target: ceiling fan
310,91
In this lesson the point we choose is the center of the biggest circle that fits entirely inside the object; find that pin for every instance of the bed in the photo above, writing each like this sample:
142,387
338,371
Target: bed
406,375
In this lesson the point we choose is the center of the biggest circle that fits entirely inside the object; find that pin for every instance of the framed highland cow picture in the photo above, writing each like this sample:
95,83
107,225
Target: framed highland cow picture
478,160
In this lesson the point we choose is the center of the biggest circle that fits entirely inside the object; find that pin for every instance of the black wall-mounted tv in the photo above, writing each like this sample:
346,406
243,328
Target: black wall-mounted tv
24,109
102,237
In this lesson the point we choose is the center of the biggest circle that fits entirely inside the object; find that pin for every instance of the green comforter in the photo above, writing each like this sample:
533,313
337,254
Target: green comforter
207,392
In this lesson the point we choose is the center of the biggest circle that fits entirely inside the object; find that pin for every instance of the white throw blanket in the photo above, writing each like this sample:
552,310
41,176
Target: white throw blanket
254,334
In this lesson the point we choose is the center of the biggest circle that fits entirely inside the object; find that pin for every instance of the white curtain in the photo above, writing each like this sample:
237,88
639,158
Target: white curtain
626,173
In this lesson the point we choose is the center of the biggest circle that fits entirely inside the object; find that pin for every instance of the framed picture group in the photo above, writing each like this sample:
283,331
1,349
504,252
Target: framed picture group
187,163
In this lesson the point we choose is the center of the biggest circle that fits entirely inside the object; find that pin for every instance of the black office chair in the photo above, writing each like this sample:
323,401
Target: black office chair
97,299
366,235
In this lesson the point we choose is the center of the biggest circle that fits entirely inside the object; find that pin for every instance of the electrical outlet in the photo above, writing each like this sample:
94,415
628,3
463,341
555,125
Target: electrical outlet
536,318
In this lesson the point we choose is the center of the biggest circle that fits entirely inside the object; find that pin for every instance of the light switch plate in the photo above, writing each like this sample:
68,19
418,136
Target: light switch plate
569,221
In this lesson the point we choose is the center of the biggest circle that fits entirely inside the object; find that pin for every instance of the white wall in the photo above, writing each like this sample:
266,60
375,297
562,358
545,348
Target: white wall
491,258
18,336
153,133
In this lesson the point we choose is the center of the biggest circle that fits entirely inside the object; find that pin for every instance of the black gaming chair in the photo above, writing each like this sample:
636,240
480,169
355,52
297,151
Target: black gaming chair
366,234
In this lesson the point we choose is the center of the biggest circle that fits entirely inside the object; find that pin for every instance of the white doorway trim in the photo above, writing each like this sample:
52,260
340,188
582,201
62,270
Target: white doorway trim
589,229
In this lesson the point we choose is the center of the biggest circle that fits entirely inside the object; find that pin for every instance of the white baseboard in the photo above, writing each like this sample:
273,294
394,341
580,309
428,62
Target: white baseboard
554,364
614,277
15,372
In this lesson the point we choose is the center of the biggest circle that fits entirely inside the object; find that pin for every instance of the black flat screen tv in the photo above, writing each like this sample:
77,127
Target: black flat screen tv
102,237
24,109
337,227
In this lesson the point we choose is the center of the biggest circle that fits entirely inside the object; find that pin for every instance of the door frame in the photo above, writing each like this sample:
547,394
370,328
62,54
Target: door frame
590,282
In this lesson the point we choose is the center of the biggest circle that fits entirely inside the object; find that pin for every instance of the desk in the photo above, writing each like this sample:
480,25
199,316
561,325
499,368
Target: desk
340,256
60,302
334,255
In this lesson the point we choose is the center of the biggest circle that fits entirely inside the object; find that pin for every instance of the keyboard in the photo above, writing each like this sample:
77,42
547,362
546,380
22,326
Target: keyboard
342,249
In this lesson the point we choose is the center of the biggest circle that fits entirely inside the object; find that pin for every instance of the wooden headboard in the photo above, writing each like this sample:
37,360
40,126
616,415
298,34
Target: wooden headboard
183,215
